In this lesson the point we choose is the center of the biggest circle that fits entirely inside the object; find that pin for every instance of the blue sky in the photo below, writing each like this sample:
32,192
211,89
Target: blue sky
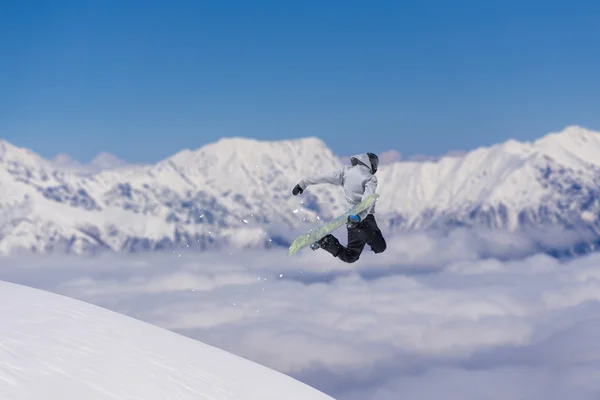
144,79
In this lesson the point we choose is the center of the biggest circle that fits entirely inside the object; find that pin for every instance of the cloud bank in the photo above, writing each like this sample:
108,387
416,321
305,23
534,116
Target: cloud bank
459,316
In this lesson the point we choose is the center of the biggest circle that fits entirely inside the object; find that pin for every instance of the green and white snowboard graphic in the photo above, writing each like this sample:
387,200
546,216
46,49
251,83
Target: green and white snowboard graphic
314,235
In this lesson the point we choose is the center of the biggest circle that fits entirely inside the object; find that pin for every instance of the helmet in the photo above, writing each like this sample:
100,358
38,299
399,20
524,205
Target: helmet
374,162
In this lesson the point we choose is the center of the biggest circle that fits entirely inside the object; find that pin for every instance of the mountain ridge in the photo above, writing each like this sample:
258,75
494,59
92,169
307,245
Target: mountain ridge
236,192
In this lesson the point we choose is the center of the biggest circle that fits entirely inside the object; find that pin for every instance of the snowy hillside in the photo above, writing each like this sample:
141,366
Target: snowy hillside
236,192
57,348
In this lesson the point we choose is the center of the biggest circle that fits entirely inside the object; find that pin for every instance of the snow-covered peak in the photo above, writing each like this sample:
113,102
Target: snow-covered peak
574,146
13,154
570,132
249,151
249,165
57,348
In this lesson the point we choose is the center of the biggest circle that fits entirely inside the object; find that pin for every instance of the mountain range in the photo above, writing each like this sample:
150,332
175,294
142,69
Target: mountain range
237,192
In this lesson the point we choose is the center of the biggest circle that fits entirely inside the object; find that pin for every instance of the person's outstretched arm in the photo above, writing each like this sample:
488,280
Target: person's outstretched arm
333,177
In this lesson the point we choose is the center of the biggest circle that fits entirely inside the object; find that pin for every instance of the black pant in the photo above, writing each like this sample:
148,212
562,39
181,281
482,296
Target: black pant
365,232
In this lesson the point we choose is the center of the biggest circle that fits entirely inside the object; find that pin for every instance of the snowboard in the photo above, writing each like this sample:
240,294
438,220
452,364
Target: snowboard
315,234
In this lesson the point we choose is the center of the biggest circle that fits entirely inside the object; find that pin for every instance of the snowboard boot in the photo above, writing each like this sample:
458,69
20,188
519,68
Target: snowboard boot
324,241
328,243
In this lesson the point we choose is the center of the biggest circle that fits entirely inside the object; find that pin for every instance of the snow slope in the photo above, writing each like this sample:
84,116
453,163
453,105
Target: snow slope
57,348
236,192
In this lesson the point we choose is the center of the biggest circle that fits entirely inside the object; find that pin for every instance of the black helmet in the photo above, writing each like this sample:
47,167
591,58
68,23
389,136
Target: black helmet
374,162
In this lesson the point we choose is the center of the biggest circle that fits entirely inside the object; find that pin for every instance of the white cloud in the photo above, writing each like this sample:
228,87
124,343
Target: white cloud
389,157
102,162
107,161
425,157
427,319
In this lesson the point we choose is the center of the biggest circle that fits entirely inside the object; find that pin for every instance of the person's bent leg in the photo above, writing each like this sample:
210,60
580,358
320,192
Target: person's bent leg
351,252
374,236
356,243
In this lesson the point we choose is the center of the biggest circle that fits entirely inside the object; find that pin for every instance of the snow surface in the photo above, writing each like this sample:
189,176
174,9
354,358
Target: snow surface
56,348
236,192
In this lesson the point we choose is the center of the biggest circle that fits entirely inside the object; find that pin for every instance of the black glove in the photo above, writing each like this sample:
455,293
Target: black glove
297,190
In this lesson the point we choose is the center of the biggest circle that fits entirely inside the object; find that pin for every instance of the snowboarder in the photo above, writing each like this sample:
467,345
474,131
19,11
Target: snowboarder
358,181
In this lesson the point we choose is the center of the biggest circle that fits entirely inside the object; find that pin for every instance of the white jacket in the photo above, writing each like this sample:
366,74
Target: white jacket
357,180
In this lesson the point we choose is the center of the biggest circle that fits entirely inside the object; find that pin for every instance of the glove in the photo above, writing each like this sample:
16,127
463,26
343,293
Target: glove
353,219
297,190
